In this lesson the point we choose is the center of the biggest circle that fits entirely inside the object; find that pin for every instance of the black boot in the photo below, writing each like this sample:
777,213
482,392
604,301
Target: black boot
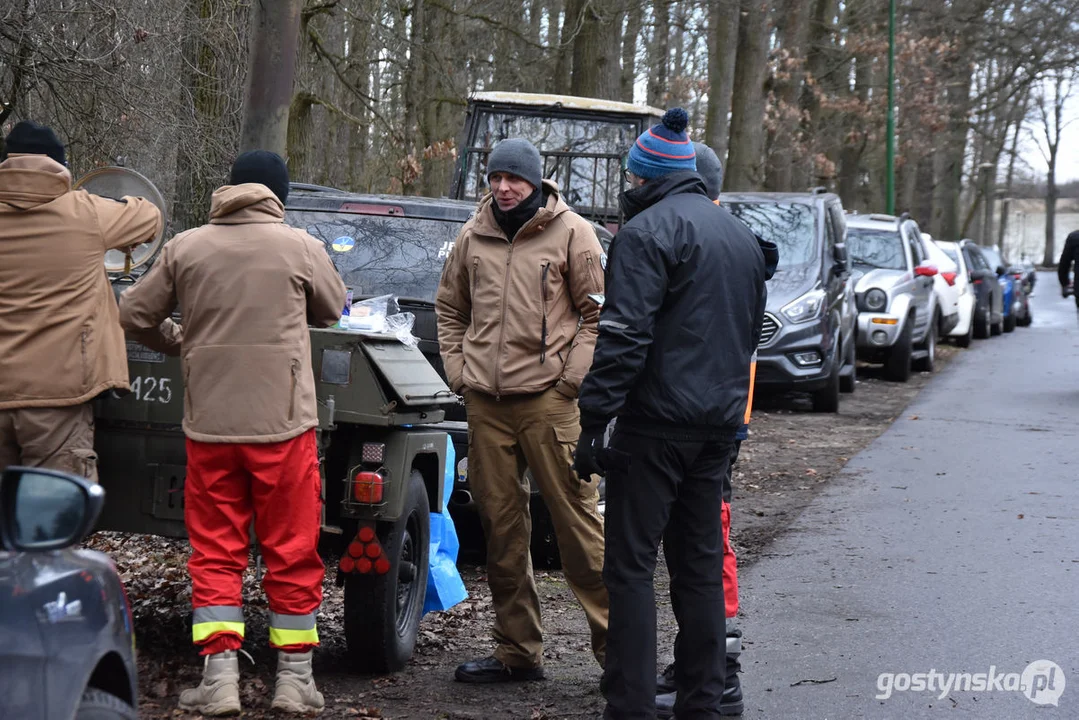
492,670
731,704
732,688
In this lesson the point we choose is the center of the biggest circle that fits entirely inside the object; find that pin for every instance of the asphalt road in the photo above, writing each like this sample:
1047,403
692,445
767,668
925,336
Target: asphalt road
948,546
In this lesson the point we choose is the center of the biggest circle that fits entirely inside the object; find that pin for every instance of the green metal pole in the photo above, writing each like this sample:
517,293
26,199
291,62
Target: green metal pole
890,172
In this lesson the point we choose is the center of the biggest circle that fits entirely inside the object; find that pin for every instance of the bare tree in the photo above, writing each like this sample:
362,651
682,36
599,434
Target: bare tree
746,152
1049,103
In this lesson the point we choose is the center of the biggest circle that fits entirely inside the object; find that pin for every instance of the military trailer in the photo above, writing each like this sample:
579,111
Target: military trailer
382,453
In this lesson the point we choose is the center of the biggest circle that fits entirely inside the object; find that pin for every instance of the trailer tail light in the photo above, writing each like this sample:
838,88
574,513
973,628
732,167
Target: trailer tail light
949,277
365,554
367,487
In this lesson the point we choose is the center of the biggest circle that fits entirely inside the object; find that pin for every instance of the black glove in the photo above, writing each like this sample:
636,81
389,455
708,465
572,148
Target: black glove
591,454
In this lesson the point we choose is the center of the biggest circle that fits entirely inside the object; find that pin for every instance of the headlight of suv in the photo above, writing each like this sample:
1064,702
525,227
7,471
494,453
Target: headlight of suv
805,308
875,300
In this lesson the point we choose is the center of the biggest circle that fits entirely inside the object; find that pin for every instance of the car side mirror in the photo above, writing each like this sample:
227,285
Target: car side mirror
46,509
1000,270
842,258
925,271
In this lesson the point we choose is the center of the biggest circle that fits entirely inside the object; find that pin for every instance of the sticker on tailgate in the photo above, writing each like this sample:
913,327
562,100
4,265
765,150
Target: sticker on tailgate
140,353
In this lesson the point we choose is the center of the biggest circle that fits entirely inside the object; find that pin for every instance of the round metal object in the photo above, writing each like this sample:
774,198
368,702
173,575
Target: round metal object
115,183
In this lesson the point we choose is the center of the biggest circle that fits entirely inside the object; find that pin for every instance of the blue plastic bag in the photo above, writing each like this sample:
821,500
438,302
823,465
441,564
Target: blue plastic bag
444,585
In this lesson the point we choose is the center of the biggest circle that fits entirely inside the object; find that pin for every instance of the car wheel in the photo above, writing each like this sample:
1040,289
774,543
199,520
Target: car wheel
1027,319
382,612
897,364
1009,323
847,382
982,324
827,398
100,705
964,341
927,363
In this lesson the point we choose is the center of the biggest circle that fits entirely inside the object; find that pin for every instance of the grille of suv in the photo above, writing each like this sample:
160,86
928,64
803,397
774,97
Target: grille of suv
768,329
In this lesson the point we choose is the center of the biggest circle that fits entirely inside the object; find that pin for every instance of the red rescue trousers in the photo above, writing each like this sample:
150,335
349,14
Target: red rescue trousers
730,566
277,485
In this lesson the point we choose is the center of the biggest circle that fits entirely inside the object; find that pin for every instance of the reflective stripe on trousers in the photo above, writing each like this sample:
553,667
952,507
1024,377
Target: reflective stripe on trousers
291,630
209,621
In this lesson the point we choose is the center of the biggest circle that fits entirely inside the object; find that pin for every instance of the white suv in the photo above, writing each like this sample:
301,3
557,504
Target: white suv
944,285
898,315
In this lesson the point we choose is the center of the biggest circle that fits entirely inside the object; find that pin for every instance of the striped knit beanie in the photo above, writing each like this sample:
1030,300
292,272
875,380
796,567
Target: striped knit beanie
663,148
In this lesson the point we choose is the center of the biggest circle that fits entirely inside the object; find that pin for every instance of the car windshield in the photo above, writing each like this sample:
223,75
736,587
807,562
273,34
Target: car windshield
381,255
791,226
876,248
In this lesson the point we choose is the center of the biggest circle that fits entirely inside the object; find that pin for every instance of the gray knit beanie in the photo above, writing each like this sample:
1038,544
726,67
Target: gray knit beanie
519,157
710,168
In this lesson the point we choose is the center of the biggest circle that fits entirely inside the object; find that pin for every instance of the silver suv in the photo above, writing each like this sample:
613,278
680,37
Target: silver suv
897,308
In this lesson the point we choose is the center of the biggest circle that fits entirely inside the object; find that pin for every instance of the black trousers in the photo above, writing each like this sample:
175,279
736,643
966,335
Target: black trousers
669,490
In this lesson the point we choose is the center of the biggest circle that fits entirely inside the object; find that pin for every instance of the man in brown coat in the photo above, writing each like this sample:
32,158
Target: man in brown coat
517,312
60,340
247,285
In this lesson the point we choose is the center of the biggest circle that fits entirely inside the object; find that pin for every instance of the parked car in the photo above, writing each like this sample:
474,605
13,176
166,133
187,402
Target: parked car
898,315
67,648
943,285
963,332
988,293
808,341
1014,302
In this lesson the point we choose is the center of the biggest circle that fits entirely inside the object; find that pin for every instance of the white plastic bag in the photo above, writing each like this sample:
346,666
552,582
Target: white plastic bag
370,315
400,324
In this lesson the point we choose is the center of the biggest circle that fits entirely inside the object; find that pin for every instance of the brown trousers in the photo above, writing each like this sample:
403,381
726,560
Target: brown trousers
59,438
538,432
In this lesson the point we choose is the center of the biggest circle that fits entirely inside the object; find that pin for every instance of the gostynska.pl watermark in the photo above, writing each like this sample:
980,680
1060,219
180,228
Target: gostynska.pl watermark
1042,682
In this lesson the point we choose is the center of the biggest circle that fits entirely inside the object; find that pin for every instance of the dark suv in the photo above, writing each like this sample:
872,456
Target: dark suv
390,245
396,245
809,325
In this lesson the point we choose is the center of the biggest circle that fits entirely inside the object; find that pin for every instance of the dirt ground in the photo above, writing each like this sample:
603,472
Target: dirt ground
790,454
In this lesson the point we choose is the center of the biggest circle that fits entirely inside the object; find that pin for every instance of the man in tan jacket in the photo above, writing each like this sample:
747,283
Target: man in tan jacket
247,286
60,340
517,310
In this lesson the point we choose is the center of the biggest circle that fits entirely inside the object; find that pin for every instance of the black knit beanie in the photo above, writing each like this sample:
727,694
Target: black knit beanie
264,167
30,138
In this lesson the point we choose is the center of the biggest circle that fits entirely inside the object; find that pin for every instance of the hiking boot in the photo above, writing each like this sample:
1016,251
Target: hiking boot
295,691
219,692
492,670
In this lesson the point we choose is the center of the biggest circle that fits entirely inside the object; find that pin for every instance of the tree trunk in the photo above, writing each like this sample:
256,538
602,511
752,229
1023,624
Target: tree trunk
275,31
563,64
659,51
596,50
855,140
200,158
744,171
793,32
724,17
629,50
359,41
1051,195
